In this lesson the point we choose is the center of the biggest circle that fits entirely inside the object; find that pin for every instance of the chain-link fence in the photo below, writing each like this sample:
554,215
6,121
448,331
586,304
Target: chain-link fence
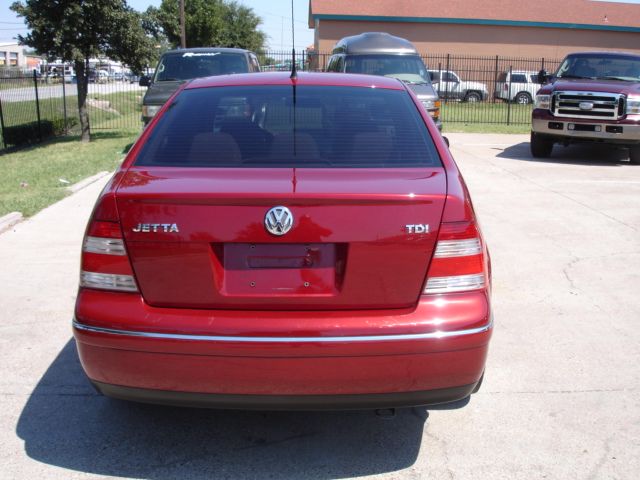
474,90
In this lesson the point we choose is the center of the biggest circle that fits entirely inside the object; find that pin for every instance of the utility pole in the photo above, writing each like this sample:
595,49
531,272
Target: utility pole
183,35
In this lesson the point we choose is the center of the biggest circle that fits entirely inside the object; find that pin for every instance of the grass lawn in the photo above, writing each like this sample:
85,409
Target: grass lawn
484,128
42,166
20,82
486,117
124,114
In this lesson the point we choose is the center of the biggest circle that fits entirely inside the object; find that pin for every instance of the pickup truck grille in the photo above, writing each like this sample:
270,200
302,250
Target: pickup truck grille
605,106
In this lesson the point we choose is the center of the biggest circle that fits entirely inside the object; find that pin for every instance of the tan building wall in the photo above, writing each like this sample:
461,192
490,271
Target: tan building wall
482,39
12,55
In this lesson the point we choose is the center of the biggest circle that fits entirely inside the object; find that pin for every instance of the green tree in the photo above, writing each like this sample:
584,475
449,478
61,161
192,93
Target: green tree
77,30
211,23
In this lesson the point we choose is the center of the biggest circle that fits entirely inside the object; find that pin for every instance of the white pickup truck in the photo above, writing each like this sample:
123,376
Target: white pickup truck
449,85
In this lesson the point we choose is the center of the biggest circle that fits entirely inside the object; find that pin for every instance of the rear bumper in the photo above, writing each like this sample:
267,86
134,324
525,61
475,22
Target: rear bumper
542,122
349,360
286,402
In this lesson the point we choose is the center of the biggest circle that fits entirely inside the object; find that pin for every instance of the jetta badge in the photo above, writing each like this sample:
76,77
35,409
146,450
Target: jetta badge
278,220
586,105
156,227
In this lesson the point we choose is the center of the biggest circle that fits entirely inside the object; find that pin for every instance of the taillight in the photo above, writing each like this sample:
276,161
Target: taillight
105,264
458,264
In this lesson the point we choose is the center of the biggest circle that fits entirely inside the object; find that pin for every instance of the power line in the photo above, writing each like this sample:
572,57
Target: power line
263,12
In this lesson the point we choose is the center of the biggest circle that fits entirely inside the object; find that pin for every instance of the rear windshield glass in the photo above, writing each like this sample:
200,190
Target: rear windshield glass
187,65
279,126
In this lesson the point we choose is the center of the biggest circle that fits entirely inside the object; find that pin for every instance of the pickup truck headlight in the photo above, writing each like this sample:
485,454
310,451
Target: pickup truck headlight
543,101
150,110
433,107
633,106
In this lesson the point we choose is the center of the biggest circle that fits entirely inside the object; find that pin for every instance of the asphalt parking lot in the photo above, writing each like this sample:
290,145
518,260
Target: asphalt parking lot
559,401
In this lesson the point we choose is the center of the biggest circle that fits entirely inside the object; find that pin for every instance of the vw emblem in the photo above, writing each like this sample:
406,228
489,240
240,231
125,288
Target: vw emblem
278,220
586,105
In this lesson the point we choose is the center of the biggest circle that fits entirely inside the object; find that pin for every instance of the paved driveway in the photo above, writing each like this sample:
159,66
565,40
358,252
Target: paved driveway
560,399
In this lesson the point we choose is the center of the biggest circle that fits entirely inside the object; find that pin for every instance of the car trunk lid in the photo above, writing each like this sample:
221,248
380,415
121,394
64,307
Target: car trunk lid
196,237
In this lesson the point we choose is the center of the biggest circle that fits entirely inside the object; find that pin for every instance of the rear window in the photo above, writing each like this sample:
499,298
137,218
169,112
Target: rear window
518,78
187,65
279,126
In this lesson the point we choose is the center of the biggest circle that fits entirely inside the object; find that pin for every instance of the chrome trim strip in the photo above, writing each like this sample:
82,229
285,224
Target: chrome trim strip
217,338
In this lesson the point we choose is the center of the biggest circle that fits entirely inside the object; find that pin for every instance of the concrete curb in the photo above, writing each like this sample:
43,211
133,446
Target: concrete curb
76,187
9,220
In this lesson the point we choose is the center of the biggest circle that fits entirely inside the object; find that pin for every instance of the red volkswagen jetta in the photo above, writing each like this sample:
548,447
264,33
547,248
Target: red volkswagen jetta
275,242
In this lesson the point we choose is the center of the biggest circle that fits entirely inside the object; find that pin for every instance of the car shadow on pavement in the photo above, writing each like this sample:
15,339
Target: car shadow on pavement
65,423
581,154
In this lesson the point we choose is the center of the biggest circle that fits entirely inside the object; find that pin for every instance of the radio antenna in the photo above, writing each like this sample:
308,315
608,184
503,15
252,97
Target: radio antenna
294,74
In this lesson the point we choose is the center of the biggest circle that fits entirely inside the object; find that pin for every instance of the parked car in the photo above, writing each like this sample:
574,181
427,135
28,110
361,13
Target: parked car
98,76
519,86
179,66
593,97
449,85
378,53
132,77
277,243
59,71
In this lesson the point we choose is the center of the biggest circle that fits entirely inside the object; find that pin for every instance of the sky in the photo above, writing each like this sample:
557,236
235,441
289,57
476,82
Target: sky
275,14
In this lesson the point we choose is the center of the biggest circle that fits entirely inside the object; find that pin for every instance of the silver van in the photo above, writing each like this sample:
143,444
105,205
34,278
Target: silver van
379,53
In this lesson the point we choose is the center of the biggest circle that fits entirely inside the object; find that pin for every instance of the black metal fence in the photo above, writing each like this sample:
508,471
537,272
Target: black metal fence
48,105
474,90
488,90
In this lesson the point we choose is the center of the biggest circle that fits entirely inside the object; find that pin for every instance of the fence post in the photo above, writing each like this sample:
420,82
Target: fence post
4,141
495,81
542,64
64,100
509,96
446,87
35,86
439,77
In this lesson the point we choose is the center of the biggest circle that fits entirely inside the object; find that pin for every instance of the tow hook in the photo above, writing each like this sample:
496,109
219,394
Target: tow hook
386,413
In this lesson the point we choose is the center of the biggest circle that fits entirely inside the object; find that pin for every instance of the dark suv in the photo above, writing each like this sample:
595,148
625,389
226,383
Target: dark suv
178,66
